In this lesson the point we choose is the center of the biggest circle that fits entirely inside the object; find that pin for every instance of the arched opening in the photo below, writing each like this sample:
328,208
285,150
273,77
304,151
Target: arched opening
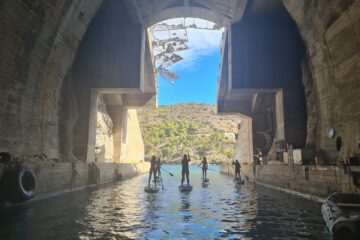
187,54
261,53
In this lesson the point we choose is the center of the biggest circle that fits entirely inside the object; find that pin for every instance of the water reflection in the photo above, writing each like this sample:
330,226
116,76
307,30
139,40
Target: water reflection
185,206
220,210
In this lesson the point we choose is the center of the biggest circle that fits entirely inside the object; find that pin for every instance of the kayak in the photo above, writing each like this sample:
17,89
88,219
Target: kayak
341,212
185,188
151,189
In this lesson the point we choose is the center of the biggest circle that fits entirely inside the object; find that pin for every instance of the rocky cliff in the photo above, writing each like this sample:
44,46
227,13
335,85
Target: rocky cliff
171,131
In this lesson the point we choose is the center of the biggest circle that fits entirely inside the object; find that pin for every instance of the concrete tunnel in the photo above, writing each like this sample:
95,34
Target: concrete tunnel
73,74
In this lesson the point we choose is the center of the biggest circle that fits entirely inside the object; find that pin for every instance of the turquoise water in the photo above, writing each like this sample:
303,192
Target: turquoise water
219,210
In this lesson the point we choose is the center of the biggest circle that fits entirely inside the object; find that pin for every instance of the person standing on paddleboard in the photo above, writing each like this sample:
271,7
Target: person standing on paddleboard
158,166
185,169
204,167
237,169
152,169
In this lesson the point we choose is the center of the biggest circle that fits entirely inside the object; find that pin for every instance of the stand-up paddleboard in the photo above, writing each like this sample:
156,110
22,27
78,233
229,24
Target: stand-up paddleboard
151,189
156,180
239,181
206,180
185,188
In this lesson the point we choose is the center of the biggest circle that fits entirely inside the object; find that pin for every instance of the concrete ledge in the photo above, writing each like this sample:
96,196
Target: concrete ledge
314,182
303,195
56,178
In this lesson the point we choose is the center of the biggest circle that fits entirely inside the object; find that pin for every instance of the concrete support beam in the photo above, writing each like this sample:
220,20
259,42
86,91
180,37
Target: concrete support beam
94,101
258,99
132,148
117,113
244,143
280,121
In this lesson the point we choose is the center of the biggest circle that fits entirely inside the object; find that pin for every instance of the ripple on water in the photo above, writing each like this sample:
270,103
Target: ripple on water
221,209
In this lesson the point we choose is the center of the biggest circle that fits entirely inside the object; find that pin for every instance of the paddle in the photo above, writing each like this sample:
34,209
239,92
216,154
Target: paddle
212,170
168,172
162,185
247,179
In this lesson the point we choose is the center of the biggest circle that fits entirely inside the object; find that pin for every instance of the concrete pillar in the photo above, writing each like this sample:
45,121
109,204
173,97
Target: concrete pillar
116,113
244,143
250,137
229,60
94,102
280,122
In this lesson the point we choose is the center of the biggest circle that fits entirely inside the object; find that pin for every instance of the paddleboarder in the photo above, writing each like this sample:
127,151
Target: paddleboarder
158,166
152,169
204,167
237,169
185,169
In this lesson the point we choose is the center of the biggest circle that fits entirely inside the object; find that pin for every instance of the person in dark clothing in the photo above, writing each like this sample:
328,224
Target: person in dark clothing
237,169
152,169
185,169
204,166
158,166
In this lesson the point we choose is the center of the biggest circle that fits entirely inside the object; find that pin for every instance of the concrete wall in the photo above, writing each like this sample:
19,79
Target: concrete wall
110,53
132,146
244,145
322,180
267,51
45,95
56,178
38,45
228,168
330,30
114,133
109,57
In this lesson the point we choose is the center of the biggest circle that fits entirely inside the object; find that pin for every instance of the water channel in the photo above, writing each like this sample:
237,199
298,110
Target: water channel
221,209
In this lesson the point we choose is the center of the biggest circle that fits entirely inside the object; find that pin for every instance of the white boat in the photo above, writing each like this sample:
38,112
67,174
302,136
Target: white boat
341,212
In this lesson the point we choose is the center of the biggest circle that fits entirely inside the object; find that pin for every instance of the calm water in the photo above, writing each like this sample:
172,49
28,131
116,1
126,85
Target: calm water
219,210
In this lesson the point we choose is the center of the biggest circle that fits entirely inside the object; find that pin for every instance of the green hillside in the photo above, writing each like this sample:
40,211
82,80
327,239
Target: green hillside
171,131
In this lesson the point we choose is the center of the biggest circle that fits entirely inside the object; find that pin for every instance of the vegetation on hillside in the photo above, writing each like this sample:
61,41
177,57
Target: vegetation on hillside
171,131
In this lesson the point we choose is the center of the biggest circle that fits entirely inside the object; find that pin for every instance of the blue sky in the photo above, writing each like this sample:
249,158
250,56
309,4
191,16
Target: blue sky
198,70
196,84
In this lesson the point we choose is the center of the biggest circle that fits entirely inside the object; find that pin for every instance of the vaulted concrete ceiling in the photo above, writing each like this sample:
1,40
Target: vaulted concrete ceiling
144,9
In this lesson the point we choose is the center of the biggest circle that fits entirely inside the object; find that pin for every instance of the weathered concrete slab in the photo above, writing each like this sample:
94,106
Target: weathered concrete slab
57,178
317,181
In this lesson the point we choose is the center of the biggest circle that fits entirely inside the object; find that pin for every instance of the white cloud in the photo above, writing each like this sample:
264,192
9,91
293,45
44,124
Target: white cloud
202,43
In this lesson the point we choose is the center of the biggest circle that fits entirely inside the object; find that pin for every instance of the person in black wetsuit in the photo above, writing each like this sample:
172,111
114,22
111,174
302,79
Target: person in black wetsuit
152,169
158,166
204,167
185,169
237,169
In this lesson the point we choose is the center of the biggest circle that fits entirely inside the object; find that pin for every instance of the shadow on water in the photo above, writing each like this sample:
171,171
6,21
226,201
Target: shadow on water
220,209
